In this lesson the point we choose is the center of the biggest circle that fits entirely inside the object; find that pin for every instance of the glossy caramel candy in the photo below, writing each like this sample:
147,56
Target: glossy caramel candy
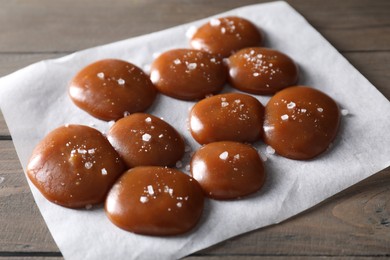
155,201
188,74
145,140
74,166
300,122
108,89
227,117
261,71
228,170
226,35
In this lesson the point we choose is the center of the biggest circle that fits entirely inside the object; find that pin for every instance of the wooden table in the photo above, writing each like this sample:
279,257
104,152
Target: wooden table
353,223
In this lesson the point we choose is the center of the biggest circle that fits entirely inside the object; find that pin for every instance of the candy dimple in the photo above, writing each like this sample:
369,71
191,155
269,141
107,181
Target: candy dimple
155,201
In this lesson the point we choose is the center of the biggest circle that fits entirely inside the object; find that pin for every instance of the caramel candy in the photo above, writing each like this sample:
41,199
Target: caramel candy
226,35
108,89
155,201
228,170
300,122
74,166
188,74
261,71
146,140
227,117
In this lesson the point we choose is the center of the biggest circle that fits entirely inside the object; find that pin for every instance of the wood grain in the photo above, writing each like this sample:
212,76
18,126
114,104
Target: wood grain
352,224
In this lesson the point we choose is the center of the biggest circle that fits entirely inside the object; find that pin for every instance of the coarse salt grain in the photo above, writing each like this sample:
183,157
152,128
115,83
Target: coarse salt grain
160,136
303,110
215,22
126,113
291,105
150,190
104,171
148,120
88,165
143,199
177,61
121,81
100,75
320,109
179,204
191,66
284,117
91,151
256,74
269,150
146,137
224,155
344,112
223,30
237,156
224,104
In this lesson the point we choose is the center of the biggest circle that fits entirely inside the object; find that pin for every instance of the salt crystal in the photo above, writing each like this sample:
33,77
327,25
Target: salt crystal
191,66
91,151
126,113
270,65
223,30
88,206
170,191
224,104
88,165
104,171
213,60
256,74
81,151
237,156
179,204
291,105
150,190
320,109
143,199
270,150
100,75
146,137
160,136
121,81
179,164
177,61
215,22
344,112
224,155
148,120
303,110
284,117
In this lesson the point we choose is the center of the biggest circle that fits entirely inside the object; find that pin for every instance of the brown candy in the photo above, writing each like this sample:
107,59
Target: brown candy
155,201
228,170
261,71
145,140
226,35
227,117
74,166
300,122
108,89
188,74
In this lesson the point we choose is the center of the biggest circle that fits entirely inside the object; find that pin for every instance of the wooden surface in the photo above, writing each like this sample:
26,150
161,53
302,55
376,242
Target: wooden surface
354,223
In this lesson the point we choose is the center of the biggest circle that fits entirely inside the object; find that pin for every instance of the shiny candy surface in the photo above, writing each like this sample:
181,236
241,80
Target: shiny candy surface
74,166
300,122
226,35
145,140
155,201
228,170
227,117
261,71
108,89
188,74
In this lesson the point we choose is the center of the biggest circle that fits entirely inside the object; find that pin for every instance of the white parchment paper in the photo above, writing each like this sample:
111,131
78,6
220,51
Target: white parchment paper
34,101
